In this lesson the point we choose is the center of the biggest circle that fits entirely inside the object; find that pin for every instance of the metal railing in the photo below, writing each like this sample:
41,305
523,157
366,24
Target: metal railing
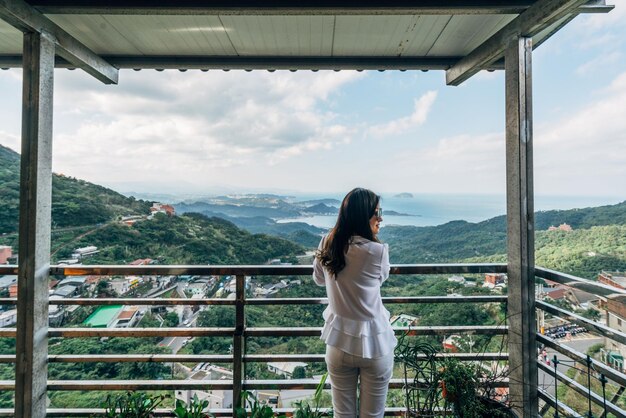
239,333
602,370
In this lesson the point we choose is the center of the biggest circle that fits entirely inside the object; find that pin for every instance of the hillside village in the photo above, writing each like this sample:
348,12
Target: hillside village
199,287
153,233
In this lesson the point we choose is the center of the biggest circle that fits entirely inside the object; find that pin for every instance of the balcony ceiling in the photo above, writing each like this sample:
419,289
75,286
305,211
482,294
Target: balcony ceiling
289,34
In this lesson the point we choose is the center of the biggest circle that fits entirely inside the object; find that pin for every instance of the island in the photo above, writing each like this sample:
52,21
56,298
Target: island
404,195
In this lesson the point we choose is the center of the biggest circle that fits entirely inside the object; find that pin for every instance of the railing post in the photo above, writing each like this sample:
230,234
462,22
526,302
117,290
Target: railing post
239,341
31,369
520,229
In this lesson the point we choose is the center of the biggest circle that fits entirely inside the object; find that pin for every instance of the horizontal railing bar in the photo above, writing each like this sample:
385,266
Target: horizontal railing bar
425,330
110,385
141,301
386,299
590,325
213,358
595,398
139,358
221,412
260,301
290,384
589,286
8,269
252,332
269,270
612,374
7,358
140,332
550,400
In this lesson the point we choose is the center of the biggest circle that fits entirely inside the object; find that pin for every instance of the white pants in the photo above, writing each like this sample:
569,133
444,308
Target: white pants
344,370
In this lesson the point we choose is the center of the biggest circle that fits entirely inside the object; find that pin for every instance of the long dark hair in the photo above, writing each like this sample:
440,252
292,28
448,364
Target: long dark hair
355,213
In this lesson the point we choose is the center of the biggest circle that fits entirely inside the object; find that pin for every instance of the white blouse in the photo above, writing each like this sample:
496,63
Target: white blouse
356,320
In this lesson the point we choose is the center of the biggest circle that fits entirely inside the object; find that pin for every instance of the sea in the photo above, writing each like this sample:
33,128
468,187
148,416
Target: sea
437,209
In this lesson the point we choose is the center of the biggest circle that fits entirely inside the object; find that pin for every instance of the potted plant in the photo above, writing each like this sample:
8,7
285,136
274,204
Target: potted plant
462,388
258,409
195,408
304,409
132,404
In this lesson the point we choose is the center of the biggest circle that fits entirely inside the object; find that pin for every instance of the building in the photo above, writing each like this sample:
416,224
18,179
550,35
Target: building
162,208
127,317
76,281
288,398
6,252
285,368
141,262
218,398
403,320
8,318
7,281
494,279
615,279
456,279
56,313
80,253
103,317
125,284
616,319
66,291
197,288
562,227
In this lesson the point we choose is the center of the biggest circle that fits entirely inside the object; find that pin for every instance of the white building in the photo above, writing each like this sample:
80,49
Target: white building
285,368
8,318
85,252
217,398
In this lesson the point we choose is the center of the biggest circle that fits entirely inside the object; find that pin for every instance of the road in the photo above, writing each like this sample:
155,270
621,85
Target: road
176,343
580,343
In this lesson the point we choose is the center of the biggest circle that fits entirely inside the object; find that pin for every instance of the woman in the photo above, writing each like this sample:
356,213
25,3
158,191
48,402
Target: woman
353,264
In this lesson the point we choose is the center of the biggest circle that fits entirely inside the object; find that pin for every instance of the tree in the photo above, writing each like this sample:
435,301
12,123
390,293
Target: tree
171,319
299,373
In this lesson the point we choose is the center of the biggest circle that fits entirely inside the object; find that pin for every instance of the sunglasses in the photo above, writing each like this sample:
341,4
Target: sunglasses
378,213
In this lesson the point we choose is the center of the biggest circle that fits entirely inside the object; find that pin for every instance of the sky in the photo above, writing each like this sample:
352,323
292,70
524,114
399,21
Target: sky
326,132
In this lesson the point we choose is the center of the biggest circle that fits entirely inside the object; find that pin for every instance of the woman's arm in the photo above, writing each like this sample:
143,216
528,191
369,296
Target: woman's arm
384,264
318,269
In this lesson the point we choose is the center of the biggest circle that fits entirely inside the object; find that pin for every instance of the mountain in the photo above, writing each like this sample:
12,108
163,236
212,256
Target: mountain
74,202
241,209
86,214
298,232
597,242
257,213
186,239
321,209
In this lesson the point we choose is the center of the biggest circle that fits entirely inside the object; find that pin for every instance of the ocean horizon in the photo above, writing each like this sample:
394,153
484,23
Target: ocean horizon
435,209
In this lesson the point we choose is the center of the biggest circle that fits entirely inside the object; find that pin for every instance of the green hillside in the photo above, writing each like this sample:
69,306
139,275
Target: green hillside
598,241
187,239
74,202
85,214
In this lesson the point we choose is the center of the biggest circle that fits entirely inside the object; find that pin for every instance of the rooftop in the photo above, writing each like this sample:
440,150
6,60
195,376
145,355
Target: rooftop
103,316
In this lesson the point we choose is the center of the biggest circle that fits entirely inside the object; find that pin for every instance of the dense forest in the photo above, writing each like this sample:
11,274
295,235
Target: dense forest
597,241
186,239
74,202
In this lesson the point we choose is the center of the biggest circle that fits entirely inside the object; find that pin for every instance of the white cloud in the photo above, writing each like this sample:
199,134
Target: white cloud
582,153
405,124
10,140
156,123
586,150
460,164
598,62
